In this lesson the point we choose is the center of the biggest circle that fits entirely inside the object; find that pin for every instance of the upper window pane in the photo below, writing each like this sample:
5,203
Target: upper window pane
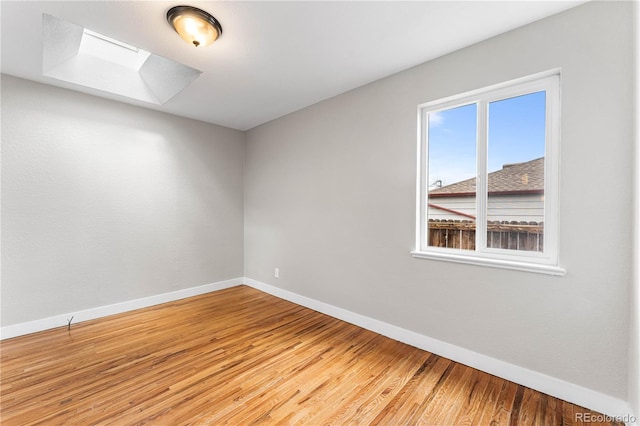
515,167
451,212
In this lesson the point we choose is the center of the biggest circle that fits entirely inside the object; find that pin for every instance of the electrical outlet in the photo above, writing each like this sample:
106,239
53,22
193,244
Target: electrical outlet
276,273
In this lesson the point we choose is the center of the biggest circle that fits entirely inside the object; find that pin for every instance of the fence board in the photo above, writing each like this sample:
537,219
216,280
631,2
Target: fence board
461,234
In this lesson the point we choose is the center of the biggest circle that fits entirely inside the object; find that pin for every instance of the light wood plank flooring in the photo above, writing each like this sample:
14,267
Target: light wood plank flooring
240,356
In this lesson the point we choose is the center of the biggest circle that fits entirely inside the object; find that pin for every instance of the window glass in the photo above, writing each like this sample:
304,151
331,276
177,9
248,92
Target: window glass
452,168
515,167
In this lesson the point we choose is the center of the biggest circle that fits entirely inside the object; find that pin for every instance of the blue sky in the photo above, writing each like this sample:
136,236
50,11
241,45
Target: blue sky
516,134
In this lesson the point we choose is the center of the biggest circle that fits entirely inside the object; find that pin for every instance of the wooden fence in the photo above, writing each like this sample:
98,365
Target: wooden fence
525,236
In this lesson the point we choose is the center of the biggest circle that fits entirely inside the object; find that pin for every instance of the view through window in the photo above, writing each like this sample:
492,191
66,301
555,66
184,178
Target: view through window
515,167
487,161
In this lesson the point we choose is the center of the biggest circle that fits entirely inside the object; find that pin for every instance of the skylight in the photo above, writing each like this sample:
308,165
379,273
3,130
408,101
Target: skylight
78,55
109,49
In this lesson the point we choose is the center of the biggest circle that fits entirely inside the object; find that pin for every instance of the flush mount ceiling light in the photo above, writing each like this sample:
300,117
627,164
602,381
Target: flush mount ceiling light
194,25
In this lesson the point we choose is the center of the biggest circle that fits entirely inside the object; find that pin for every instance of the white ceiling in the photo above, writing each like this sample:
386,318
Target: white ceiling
273,58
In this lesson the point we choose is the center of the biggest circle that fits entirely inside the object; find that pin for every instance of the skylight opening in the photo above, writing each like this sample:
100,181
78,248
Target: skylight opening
112,50
89,59
110,40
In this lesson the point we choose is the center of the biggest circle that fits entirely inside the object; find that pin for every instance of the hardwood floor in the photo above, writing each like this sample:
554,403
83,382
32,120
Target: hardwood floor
240,356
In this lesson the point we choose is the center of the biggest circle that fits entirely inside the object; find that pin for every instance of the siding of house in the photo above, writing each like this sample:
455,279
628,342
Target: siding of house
465,205
527,207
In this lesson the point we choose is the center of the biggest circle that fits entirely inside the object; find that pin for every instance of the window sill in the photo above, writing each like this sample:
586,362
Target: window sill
491,262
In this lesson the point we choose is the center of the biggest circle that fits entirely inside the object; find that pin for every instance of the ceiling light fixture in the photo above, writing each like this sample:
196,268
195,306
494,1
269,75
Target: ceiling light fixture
194,25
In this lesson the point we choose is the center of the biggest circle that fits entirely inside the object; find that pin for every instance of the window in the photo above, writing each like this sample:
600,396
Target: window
488,176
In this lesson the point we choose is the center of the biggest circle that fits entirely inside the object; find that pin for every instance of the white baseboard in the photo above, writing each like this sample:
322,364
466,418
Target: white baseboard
117,308
541,382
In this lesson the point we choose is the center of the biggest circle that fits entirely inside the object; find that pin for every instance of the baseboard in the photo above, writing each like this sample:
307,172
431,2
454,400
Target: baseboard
117,308
570,392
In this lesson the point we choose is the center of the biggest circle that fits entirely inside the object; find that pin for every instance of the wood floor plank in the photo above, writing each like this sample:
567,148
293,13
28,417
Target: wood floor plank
240,357
487,406
473,398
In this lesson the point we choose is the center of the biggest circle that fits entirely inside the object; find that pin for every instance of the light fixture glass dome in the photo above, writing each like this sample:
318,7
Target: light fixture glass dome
194,25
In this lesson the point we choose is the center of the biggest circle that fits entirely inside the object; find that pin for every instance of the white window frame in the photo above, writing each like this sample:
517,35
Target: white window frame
543,262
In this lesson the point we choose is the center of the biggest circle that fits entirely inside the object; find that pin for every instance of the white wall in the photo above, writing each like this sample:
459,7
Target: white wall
330,200
104,202
634,344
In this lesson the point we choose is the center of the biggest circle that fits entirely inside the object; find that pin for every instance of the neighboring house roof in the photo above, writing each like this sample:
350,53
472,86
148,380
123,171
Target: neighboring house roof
518,178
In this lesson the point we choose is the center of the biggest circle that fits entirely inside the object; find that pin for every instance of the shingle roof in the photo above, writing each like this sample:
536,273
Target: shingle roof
518,177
